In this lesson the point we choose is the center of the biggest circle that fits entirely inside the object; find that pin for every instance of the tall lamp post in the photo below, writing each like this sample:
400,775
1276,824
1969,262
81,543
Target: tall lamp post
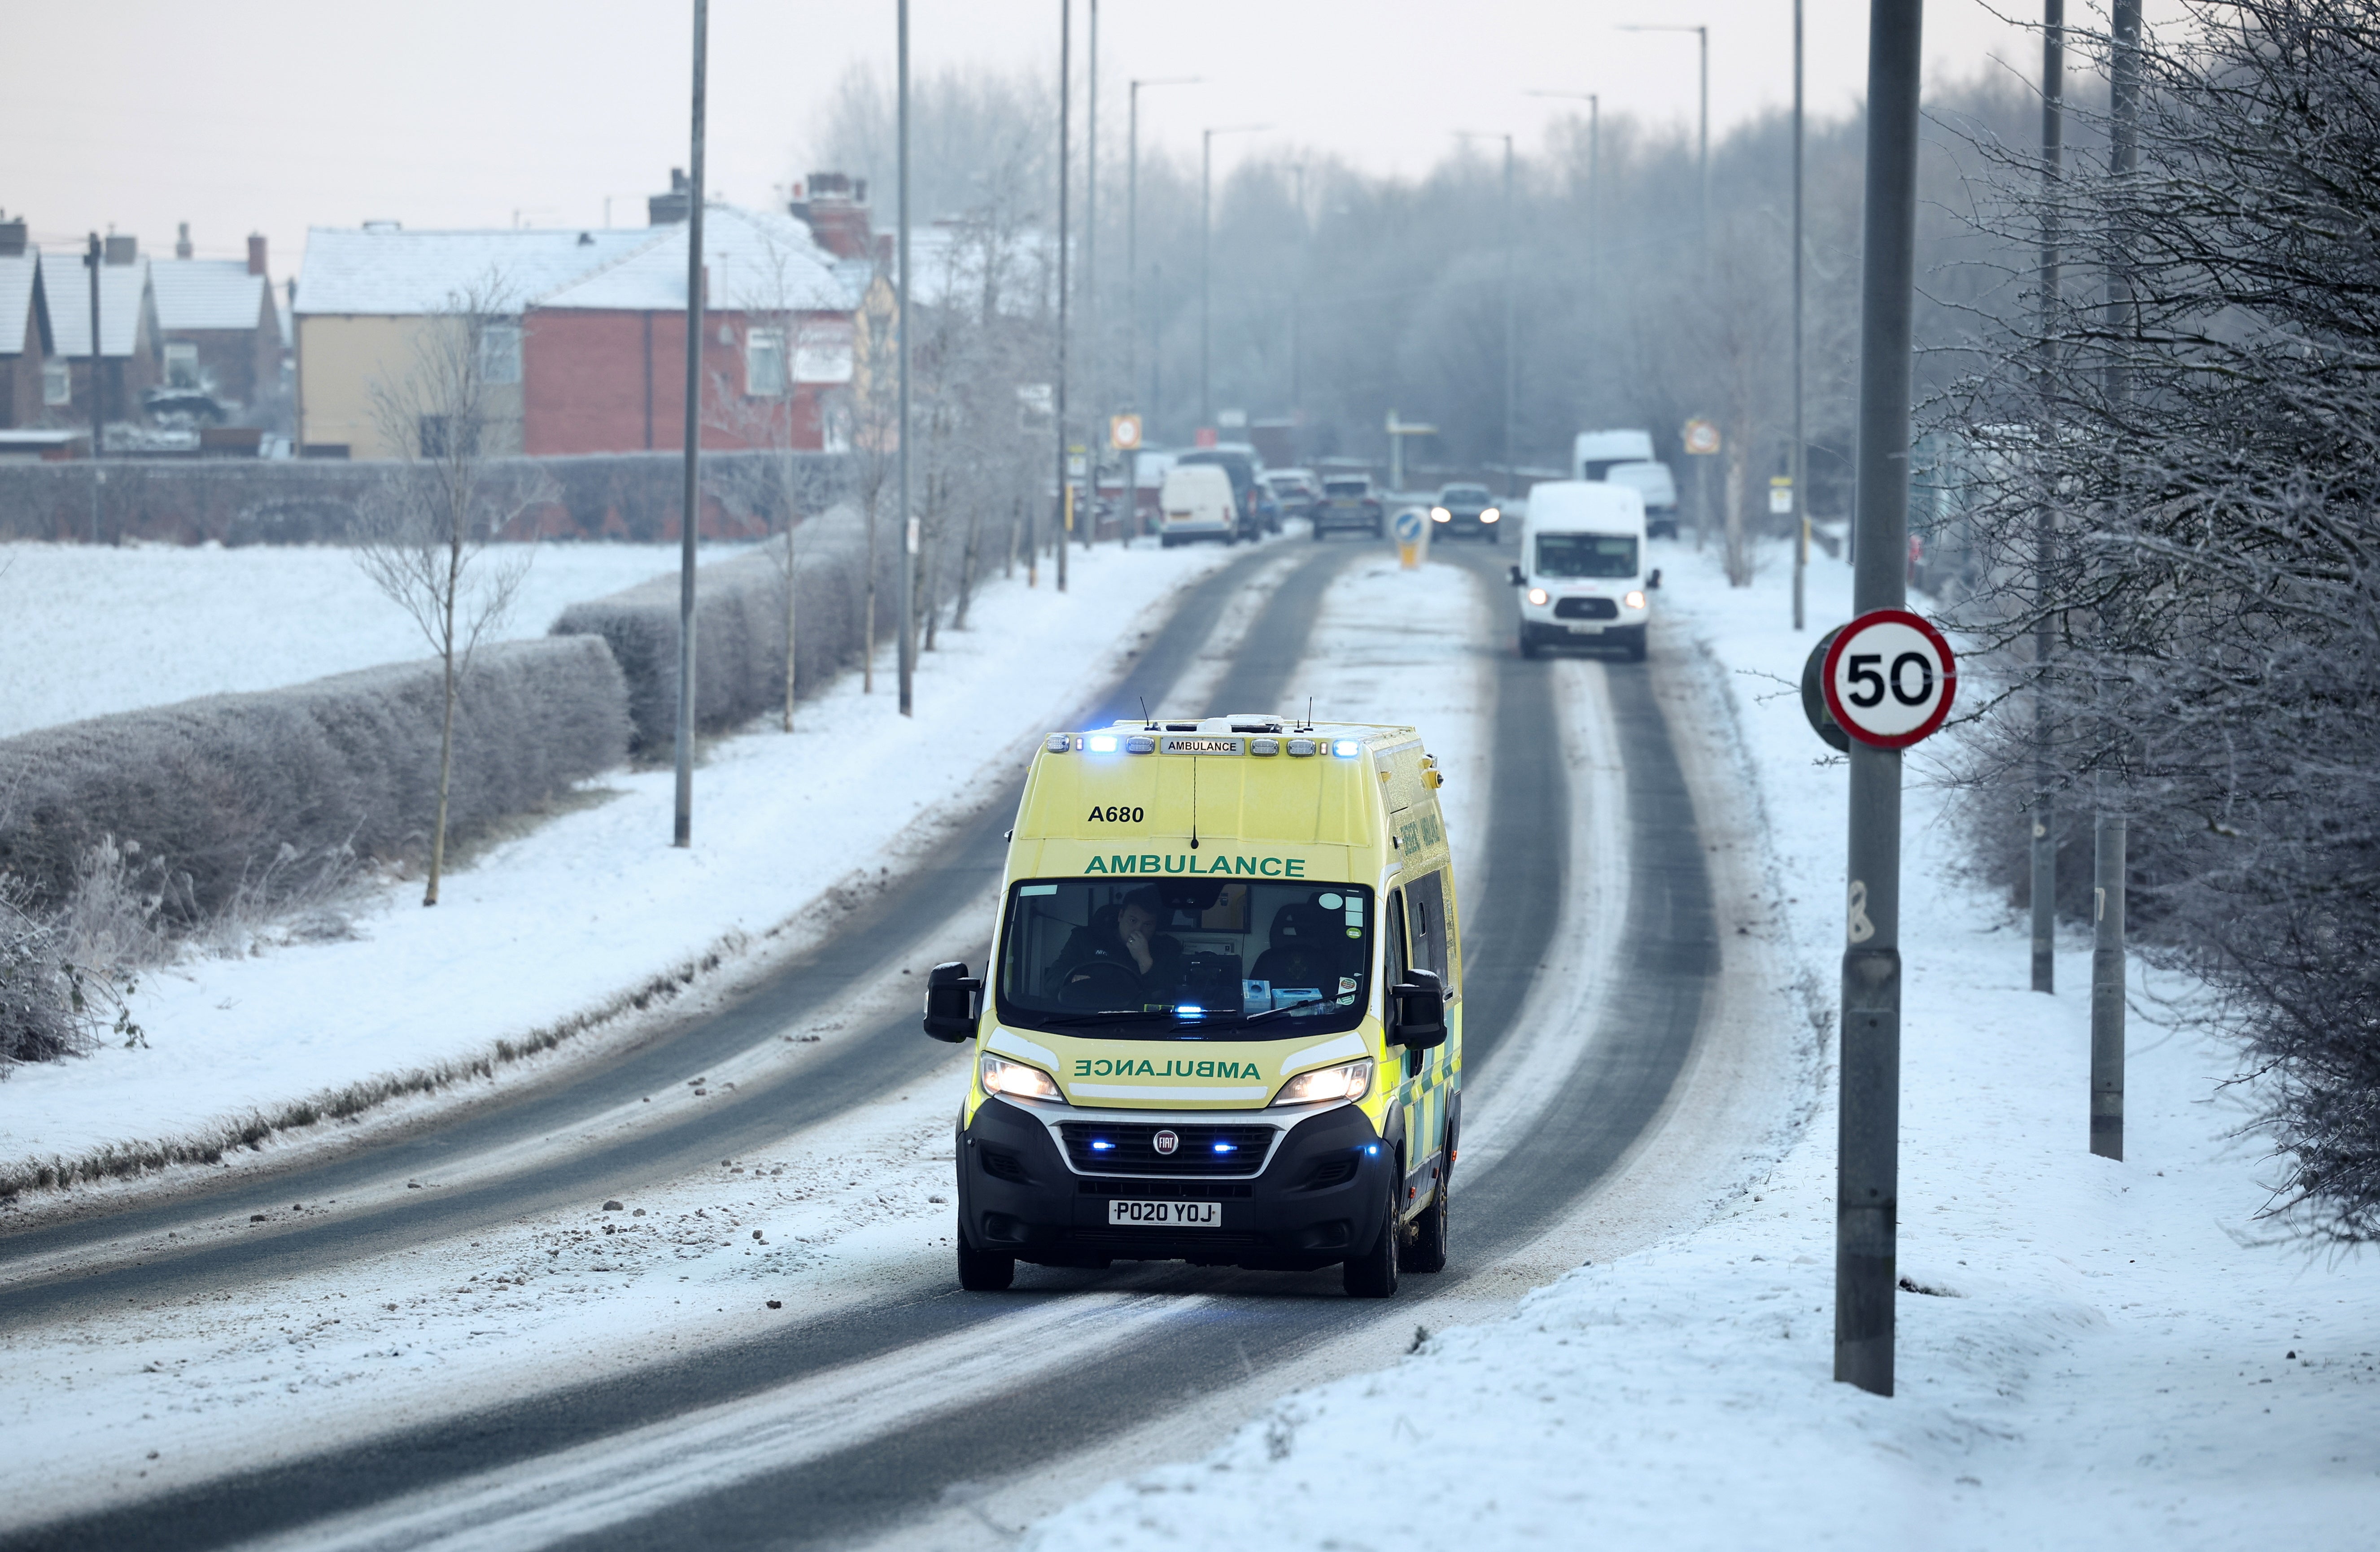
907,659
1511,372
1702,137
1065,183
1798,467
1206,263
1132,235
690,515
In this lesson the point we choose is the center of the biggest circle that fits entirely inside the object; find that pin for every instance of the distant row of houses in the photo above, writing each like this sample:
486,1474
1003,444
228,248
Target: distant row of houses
184,330
582,333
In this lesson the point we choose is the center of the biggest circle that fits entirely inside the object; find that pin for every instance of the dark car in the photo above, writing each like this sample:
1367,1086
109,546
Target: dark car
1466,512
1348,502
1294,489
1246,489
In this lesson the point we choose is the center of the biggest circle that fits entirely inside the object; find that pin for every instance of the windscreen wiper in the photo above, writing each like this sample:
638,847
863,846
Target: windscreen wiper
1286,1008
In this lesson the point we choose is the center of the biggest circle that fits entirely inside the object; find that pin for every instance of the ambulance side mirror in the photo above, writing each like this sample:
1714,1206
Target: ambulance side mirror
1421,1010
1655,580
954,1002
1521,581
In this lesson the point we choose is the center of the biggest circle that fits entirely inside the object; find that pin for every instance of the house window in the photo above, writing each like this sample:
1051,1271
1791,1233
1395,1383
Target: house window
764,363
181,365
58,383
500,353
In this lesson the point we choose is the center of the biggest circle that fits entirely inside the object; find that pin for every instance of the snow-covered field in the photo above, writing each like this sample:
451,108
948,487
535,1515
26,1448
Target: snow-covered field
96,629
596,903
2095,1354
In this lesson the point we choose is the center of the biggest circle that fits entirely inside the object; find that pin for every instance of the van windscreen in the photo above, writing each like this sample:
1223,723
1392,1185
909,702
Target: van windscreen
1140,958
1586,555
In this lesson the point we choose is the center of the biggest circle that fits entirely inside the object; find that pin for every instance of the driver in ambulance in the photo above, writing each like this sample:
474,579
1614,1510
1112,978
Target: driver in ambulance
1124,935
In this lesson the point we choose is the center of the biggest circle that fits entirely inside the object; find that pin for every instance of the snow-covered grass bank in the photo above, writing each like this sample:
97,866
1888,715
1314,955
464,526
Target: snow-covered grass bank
2091,1353
94,629
594,907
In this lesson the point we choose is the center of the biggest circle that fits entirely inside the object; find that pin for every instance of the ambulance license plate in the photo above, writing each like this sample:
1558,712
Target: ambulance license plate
1166,1215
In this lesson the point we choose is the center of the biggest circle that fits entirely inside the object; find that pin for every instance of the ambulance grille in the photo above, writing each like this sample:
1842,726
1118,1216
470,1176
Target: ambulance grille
1131,1148
1587,609
1170,1190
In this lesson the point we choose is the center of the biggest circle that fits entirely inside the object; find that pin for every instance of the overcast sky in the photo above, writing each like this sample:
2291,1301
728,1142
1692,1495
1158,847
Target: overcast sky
242,115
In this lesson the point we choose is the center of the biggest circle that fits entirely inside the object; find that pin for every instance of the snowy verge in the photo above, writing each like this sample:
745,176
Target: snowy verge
592,917
2090,1352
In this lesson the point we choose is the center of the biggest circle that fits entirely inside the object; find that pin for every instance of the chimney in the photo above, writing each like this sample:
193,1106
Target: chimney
182,242
256,253
12,237
668,210
837,215
123,250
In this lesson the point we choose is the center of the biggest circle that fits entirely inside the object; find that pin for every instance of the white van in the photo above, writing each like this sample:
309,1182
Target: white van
1593,452
1196,503
1660,490
1581,574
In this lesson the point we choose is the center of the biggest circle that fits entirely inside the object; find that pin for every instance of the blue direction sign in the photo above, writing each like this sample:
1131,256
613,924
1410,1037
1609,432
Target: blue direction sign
1407,526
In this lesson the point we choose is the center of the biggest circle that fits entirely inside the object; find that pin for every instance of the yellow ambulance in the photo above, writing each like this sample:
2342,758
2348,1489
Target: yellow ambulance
1223,1019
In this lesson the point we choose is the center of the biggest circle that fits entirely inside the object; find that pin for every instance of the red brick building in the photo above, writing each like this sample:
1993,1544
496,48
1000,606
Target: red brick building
24,329
604,355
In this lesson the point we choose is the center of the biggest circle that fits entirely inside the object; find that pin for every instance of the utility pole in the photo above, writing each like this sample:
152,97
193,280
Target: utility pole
2107,831
908,655
1102,401
1798,467
2044,817
690,515
1206,263
1868,1136
1065,183
93,258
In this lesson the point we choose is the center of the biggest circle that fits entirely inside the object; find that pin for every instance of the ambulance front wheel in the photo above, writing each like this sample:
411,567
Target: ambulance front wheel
983,1271
1373,1273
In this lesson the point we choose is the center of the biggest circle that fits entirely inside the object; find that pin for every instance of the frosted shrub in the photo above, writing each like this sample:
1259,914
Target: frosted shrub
739,630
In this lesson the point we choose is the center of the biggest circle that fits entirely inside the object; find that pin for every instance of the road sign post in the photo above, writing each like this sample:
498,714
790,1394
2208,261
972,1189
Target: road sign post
1867,1139
1700,440
1123,435
1411,528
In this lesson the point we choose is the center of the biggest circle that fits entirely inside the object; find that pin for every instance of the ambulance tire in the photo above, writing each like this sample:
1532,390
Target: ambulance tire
1373,1273
1426,1251
983,1271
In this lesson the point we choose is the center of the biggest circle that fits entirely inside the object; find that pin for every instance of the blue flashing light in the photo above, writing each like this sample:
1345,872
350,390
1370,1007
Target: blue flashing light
1102,742
1100,1146
1227,1148
1347,749
1372,1148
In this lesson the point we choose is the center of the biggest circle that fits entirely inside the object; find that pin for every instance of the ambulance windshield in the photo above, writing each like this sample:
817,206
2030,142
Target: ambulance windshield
1160,958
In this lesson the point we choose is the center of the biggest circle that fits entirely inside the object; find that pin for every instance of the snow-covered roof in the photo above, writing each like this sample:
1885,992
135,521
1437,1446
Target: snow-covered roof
123,293
21,282
757,260
391,272
206,294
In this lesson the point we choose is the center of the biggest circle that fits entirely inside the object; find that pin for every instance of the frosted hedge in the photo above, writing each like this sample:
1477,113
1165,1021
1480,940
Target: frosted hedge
739,628
220,792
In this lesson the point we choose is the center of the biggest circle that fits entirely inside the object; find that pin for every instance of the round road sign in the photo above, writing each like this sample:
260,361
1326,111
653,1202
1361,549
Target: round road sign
1407,525
1701,438
1889,679
1124,432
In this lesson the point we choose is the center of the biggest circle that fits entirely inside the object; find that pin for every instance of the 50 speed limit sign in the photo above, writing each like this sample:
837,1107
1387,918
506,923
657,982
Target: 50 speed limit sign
1889,679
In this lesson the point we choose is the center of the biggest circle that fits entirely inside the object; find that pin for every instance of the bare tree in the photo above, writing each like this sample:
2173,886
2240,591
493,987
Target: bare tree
426,531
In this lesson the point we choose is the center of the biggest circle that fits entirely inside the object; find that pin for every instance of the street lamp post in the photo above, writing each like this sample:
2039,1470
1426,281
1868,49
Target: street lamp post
1065,182
1206,263
1511,373
1797,469
1132,235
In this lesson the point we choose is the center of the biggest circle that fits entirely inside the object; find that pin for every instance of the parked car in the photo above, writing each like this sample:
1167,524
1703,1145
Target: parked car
1466,512
1349,501
1241,464
1295,488
1197,501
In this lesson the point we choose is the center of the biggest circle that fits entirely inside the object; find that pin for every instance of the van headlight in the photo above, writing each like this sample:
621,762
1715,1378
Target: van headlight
1540,598
1014,1079
1349,1080
1634,599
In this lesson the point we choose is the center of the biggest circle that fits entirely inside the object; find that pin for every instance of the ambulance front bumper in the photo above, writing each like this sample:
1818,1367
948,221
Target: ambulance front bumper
1316,1197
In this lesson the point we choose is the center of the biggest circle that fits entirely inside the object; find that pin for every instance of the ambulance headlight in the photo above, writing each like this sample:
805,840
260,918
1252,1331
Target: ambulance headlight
1439,514
1101,743
1350,1080
1347,749
1016,1081
1633,598
1540,598
1489,514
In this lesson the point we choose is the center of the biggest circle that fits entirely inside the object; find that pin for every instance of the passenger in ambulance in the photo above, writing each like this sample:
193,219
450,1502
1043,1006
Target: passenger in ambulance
1118,955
